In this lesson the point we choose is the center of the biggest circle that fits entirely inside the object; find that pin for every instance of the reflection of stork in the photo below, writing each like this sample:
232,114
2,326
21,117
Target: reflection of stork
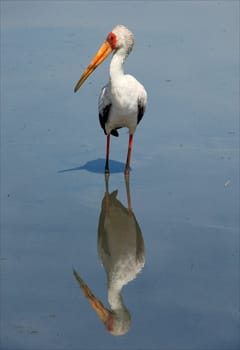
123,100
121,251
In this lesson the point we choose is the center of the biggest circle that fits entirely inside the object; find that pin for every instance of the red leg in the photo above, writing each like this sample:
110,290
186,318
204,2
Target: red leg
127,167
107,155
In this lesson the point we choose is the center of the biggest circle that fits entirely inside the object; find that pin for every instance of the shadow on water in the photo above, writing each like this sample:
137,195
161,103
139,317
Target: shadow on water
97,166
121,252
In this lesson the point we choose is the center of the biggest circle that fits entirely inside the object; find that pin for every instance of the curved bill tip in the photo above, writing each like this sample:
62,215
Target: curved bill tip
77,86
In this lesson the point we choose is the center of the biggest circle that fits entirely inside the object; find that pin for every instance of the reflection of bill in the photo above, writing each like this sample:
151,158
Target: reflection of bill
121,251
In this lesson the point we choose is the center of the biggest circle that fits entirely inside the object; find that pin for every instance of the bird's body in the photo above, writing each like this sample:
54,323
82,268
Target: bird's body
121,105
122,101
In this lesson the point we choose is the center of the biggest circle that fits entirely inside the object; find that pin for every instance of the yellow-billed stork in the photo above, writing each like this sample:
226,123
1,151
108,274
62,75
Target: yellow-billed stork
122,101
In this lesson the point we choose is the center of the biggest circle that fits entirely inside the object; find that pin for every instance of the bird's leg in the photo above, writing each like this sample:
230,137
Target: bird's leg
107,155
127,167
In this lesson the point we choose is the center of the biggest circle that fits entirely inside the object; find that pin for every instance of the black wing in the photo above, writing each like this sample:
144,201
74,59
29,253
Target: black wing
104,107
103,116
141,109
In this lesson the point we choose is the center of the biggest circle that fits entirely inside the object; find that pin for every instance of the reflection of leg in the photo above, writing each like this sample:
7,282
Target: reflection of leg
106,193
127,167
128,194
107,155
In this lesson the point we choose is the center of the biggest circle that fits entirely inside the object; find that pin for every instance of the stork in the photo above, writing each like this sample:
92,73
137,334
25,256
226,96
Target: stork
122,102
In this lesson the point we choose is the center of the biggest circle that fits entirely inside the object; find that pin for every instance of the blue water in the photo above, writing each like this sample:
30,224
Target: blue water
184,180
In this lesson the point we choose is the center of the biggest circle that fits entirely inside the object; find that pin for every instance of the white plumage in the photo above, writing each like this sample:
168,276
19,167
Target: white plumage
125,98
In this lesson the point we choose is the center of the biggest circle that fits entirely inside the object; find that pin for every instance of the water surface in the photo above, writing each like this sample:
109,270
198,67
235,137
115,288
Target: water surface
184,182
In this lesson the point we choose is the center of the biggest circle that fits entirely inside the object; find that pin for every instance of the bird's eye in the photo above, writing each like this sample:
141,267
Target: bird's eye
112,39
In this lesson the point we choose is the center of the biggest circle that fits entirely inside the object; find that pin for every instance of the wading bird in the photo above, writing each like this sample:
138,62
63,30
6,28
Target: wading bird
122,101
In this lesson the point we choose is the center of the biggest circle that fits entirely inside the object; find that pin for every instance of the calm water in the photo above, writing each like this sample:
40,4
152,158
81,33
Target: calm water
184,183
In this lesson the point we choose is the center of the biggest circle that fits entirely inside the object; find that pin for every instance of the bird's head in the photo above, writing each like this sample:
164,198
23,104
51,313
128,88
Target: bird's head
119,38
122,38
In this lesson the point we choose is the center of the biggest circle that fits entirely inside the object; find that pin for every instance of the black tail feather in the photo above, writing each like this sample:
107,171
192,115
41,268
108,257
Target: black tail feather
114,132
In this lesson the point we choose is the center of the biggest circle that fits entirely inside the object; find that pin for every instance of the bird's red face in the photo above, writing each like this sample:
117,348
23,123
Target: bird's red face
112,39
107,47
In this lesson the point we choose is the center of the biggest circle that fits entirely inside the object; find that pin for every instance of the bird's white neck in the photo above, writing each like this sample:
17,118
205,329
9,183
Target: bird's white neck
116,65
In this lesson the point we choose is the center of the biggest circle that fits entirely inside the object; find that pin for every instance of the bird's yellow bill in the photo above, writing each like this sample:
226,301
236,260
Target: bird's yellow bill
100,56
103,313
